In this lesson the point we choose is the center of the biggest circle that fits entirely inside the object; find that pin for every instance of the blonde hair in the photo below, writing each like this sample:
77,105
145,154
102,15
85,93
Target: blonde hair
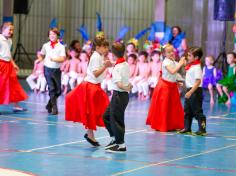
211,58
168,47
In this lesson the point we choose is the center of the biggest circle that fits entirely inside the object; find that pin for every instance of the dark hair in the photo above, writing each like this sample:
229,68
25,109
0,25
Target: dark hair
54,30
133,56
232,53
196,52
73,47
73,42
84,52
177,27
118,49
155,52
98,41
179,30
143,53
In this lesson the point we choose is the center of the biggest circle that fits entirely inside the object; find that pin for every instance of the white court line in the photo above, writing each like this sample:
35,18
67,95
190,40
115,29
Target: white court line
221,117
75,142
13,121
177,159
230,139
62,105
33,123
39,121
42,104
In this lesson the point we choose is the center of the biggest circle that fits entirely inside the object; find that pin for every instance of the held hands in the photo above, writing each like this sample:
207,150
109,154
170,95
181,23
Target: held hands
182,61
180,84
107,63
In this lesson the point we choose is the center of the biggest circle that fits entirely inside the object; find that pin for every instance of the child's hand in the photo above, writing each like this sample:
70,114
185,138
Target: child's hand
130,86
188,95
182,61
107,63
180,84
16,68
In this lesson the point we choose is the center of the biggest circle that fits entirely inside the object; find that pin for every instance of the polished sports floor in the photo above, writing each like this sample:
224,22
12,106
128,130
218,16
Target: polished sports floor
35,143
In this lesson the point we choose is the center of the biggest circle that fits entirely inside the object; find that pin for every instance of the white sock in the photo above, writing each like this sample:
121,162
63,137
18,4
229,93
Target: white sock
122,145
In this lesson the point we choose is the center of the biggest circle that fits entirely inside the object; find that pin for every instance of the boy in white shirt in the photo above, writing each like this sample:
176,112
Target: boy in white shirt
193,97
114,115
53,53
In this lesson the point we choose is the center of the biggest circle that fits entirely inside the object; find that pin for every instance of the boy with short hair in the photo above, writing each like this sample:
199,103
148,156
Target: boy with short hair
114,115
193,97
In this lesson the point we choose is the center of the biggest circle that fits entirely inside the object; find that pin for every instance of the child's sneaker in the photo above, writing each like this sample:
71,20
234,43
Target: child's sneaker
116,149
200,133
19,109
111,144
184,131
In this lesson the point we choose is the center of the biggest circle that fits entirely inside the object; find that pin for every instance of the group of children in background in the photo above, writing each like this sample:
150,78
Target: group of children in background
145,72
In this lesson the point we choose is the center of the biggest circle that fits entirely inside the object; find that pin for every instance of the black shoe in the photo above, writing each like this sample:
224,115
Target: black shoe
116,149
111,144
93,143
49,107
54,107
184,131
54,111
19,109
200,133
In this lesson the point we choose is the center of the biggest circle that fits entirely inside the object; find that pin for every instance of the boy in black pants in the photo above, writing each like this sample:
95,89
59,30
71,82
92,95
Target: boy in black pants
193,97
114,115
53,53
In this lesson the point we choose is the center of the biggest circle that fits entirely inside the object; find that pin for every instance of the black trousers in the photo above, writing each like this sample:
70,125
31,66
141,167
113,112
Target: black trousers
193,108
53,78
114,116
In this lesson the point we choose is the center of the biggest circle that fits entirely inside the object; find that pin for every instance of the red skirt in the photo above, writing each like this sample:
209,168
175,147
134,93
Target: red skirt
86,104
10,88
166,111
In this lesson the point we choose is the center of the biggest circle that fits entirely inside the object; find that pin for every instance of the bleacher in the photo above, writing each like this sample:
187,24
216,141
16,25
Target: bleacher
23,73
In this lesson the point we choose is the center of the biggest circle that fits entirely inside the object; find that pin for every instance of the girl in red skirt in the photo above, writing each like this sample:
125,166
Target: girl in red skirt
87,102
10,89
166,112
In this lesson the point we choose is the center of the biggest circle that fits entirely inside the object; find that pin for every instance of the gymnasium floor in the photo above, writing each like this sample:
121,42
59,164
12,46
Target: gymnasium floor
36,143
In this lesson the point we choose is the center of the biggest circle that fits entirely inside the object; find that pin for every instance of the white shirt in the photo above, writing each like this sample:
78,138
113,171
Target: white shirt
166,75
194,72
49,52
5,48
95,63
120,73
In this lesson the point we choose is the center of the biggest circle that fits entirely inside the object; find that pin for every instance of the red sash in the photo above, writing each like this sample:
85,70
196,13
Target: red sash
120,60
52,44
196,62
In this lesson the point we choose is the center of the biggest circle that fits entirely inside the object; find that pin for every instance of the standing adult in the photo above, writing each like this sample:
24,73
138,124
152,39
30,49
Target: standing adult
178,40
